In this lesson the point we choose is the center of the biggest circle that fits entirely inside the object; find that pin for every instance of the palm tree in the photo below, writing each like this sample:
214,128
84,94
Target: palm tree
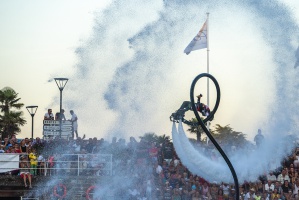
149,137
195,130
10,120
162,138
227,136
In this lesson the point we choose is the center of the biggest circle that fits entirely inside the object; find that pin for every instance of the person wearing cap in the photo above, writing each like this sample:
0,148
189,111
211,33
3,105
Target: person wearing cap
10,149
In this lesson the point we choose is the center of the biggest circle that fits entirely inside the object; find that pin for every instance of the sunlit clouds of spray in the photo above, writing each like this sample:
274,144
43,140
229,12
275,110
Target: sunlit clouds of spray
132,73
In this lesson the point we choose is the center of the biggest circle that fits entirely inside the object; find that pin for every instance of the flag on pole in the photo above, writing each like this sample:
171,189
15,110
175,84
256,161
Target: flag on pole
199,41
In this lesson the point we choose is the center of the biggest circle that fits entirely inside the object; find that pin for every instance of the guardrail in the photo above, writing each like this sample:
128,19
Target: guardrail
73,164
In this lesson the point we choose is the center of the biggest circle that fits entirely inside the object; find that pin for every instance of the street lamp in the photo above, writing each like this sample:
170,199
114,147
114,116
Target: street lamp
32,110
61,82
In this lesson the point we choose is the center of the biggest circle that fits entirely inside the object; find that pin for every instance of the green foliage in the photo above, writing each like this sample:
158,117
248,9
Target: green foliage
195,130
152,137
225,135
10,117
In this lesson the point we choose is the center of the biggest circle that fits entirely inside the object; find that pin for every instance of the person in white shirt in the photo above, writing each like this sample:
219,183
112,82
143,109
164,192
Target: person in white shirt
269,186
283,176
271,177
250,194
49,115
295,187
159,169
74,120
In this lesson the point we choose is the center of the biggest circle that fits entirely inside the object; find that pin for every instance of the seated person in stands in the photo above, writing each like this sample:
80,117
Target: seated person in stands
25,170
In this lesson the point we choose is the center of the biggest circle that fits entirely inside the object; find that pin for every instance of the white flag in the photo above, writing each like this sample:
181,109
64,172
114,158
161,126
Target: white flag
199,41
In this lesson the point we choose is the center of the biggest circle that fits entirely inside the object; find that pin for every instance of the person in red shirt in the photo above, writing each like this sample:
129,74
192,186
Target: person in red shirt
17,148
153,153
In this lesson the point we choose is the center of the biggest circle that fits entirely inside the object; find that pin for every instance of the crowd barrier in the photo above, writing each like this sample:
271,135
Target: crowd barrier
74,164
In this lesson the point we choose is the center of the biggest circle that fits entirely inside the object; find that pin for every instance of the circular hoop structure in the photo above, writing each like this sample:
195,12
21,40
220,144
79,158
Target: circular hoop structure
203,126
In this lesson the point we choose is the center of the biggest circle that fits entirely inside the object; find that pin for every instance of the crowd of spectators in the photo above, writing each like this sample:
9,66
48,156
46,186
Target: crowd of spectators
154,170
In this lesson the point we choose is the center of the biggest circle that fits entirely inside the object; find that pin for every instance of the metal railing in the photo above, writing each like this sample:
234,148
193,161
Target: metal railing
64,164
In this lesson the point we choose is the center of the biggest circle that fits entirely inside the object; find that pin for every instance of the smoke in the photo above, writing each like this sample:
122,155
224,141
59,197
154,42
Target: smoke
132,74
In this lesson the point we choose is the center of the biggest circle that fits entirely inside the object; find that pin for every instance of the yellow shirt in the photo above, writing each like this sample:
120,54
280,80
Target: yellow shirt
33,159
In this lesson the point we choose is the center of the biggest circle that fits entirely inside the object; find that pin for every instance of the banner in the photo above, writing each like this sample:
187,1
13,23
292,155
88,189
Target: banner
9,162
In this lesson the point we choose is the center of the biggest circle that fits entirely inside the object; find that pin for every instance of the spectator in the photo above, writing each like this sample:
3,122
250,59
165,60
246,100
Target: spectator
27,142
296,158
17,148
33,161
49,115
23,146
2,149
250,194
74,121
24,171
167,151
283,176
176,195
196,196
269,186
213,191
271,176
6,143
153,153
220,194
62,116
10,149
90,145
275,194
205,190
41,164
167,191
226,189
286,187
278,187
295,187
259,138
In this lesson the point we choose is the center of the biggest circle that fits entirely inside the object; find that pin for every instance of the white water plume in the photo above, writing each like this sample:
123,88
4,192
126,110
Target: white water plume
249,165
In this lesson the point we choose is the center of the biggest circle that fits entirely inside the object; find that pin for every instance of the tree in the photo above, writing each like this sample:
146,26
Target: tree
196,129
149,137
152,137
10,119
228,137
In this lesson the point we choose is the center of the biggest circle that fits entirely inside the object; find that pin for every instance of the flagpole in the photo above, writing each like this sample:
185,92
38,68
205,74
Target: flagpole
208,71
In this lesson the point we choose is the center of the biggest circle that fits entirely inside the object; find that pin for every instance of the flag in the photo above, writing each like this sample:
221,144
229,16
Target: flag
199,41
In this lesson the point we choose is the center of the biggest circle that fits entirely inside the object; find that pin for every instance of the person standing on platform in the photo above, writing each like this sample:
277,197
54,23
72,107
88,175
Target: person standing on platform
74,120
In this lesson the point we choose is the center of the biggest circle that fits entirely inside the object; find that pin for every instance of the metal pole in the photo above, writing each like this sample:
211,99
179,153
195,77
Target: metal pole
60,120
208,71
32,116
208,68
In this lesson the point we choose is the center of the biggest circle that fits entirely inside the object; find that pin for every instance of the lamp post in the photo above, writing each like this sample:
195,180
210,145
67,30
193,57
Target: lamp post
32,110
61,82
